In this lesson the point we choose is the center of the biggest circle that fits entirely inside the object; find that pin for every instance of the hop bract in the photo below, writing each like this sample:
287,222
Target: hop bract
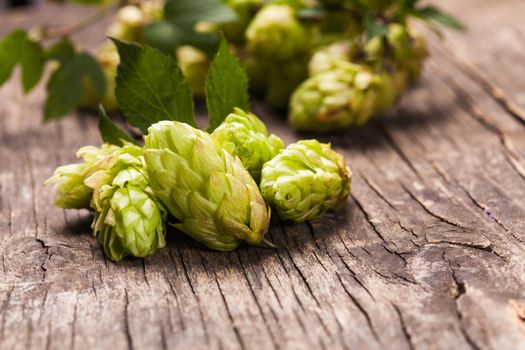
335,99
305,180
204,187
244,135
331,57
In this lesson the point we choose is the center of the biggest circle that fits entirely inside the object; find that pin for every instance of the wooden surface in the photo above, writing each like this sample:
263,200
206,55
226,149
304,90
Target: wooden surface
427,254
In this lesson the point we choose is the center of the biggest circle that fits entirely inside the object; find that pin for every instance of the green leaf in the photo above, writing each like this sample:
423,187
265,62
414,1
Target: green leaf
374,28
110,132
61,51
179,27
93,71
64,88
434,14
313,13
207,42
18,48
166,36
151,87
186,13
226,86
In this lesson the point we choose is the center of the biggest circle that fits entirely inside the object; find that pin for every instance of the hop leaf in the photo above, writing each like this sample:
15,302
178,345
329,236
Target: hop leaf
206,189
244,135
66,84
305,180
16,48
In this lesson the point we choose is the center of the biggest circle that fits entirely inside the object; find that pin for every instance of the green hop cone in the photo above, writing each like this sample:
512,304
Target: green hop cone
194,64
276,34
245,10
129,24
128,219
409,49
72,193
244,135
349,95
305,180
402,51
204,187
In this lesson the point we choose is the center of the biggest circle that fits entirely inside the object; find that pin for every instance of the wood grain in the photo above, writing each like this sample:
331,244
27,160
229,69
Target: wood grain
428,253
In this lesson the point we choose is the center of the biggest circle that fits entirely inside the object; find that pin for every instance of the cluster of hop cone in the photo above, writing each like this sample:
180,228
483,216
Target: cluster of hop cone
217,188
318,58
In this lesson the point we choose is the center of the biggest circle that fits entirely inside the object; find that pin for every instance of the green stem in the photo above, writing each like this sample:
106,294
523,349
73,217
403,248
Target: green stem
61,32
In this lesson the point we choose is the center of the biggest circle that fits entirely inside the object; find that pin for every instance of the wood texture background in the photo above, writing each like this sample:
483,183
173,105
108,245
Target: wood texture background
427,254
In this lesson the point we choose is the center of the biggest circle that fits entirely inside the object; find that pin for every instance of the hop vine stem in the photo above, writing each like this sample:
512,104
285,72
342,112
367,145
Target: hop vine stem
45,33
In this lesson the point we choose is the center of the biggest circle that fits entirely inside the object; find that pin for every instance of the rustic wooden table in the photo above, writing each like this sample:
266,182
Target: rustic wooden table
427,254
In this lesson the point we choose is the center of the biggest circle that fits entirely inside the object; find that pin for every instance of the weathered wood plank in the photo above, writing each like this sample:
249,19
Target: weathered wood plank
428,252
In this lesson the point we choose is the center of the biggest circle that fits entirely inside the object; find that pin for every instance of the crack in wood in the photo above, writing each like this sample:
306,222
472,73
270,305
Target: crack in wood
361,309
257,303
404,327
234,325
127,327
492,89
429,211
460,290
73,325
369,219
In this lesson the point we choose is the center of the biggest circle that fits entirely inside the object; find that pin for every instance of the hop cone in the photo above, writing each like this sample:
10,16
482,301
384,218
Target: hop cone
128,220
244,135
194,64
409,49
305,180
403,51
245,10
332,100
72,193
276,34
129,24
204,187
